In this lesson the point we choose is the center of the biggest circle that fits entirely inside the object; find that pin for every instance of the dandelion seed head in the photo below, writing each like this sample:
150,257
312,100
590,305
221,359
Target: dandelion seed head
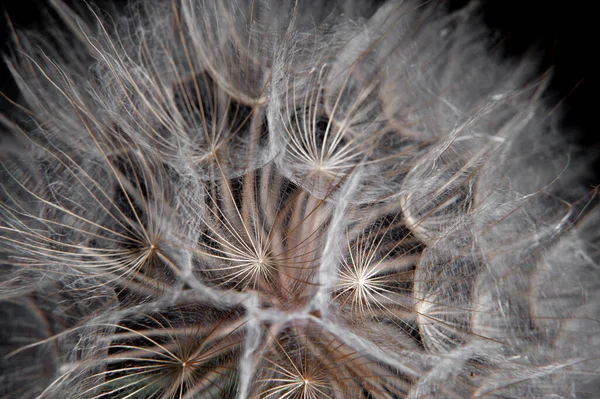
281,199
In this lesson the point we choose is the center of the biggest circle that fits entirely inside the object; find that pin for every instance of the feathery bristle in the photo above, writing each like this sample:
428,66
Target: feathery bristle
289,199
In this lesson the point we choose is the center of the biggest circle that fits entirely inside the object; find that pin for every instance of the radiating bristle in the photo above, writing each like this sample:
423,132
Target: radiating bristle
289,199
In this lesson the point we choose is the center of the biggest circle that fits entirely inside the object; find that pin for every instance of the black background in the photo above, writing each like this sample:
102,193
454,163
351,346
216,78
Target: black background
561,34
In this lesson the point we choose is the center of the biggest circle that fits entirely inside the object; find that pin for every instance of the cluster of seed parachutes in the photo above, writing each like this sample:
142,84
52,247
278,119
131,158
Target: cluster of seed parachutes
262,199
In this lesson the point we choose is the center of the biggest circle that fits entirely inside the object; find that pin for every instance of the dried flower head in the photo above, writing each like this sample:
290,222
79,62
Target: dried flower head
289,199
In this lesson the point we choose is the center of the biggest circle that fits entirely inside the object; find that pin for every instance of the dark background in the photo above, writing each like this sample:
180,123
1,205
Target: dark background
562,34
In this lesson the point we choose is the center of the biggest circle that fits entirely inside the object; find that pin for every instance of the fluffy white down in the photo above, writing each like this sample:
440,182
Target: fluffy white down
279,199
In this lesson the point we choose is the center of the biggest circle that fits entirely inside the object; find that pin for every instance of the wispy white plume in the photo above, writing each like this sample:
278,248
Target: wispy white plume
290,199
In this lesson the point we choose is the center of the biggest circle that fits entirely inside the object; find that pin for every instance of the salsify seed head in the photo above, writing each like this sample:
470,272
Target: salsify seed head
289,199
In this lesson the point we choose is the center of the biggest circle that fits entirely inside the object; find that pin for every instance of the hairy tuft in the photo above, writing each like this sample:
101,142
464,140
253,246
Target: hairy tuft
281,199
